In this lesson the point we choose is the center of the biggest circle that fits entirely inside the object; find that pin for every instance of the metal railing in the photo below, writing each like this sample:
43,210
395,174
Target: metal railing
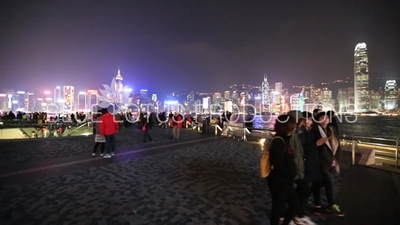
386,150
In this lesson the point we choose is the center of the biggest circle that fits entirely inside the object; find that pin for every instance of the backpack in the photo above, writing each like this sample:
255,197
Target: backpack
265,164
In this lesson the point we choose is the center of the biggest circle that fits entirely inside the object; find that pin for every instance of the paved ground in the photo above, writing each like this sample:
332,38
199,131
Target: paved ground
198,180
52,148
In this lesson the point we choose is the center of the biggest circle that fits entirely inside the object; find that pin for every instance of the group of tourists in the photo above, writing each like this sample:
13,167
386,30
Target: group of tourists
304,157
105,126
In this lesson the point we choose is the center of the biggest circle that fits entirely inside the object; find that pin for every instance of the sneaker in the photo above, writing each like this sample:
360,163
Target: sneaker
334,209
305,220
101,154
93,154
281,220
112,154
320,211
107,156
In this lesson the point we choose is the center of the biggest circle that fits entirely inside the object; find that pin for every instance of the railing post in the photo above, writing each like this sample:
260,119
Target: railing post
353,152
396,157
244,134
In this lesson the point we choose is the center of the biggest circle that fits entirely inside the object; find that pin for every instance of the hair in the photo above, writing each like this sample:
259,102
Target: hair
284,124
307,115
300,121
321,114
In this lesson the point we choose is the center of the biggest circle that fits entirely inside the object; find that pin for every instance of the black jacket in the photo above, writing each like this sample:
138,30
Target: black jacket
282,160
312,163
325,153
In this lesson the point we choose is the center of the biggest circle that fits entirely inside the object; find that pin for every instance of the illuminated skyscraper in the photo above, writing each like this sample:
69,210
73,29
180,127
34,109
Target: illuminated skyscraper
390,95
361,79
68,98
278,96
82,101
265,98
119,86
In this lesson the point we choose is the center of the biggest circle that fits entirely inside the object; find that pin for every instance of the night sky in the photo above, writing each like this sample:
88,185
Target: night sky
197,45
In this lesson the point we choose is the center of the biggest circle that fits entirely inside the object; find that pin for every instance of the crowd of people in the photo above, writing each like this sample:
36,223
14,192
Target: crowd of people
304,160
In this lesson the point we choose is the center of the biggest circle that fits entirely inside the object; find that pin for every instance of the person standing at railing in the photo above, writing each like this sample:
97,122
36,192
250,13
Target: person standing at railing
329,154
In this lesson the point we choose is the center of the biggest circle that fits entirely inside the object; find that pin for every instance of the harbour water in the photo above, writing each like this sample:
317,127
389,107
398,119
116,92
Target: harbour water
367,126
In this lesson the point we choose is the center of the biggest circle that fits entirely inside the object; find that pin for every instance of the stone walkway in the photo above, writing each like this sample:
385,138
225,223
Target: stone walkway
209,182
52,148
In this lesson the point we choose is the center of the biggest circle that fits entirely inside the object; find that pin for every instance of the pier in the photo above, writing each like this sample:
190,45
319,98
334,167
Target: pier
200,179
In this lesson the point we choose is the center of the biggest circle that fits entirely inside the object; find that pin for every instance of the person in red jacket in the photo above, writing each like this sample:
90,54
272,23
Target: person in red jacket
108,128
176,122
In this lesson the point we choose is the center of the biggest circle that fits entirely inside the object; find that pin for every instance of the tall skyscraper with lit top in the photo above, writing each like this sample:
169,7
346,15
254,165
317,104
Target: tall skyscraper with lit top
119,86
265,99
361,79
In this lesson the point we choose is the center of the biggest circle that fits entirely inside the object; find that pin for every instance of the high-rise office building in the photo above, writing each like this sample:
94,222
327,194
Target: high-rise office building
390,95
361,78
278,96
31,102
265,95
68,98
295,102
92,99
81,102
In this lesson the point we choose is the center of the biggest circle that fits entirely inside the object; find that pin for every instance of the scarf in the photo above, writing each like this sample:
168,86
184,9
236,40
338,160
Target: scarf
332,143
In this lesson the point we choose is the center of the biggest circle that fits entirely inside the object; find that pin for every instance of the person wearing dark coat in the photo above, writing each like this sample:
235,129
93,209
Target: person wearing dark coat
145,123
329,149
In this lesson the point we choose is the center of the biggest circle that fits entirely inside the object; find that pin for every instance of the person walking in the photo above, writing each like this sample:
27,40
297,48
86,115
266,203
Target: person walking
108,128
176,124
146,124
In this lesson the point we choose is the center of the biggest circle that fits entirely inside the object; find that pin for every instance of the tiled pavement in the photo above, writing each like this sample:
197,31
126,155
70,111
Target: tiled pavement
204,182
52,148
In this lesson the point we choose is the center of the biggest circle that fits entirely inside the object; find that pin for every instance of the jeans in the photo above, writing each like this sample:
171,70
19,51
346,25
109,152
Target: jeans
326,182
282,193
110,143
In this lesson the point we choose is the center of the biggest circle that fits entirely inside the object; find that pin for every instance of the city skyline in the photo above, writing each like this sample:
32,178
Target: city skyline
264,97
294,43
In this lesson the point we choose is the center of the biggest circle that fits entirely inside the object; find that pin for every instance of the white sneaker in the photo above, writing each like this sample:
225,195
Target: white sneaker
101,154
107,156
93,154
112,153
305,220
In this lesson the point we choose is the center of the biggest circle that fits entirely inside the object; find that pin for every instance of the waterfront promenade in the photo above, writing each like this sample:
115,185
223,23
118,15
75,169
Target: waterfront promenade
201,179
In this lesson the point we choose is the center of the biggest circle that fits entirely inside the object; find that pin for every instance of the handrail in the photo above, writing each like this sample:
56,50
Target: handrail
355,141
369,138
82,125
26,134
